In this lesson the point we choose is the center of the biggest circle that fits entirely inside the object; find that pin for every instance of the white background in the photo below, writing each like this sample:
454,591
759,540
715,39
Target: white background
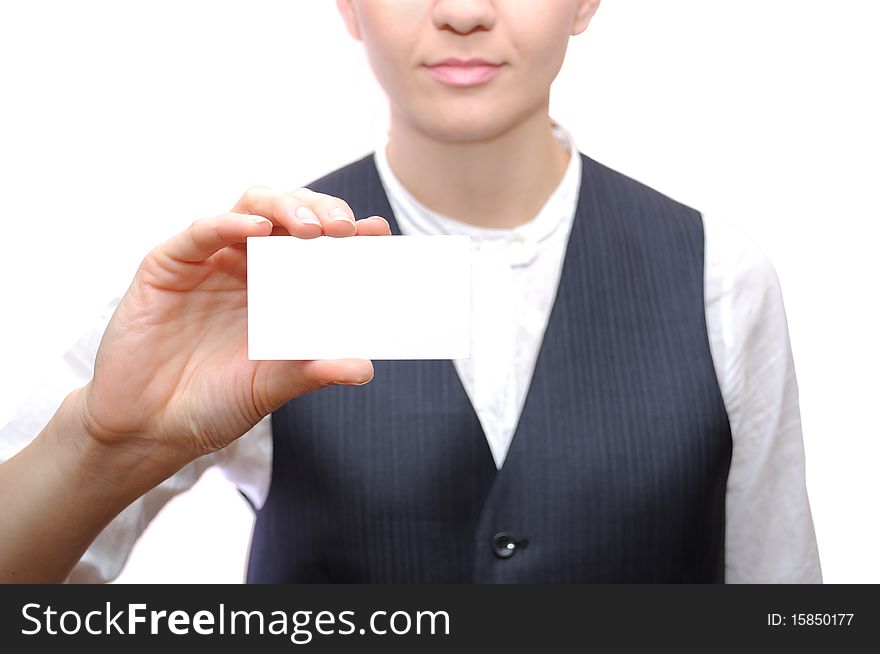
122,122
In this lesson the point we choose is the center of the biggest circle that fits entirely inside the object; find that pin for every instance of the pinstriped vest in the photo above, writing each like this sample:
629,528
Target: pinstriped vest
618,467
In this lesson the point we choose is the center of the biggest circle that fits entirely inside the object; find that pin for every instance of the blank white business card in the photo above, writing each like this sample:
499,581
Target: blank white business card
370,297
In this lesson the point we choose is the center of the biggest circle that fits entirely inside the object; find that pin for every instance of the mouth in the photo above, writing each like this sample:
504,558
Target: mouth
463,72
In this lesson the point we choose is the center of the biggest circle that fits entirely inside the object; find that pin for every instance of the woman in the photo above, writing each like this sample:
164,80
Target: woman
629,412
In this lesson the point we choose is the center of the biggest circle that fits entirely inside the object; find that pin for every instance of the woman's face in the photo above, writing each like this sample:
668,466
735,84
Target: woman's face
528,38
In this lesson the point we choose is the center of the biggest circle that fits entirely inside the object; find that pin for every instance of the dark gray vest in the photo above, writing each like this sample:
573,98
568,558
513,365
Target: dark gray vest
618,467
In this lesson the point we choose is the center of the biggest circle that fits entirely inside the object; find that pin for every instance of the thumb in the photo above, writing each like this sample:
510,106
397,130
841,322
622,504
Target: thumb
278,382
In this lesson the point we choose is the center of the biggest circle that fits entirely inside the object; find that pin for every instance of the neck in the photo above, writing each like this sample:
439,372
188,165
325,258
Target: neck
502,182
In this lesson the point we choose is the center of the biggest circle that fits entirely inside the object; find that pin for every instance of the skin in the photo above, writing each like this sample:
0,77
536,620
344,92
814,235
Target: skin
172,381
483,155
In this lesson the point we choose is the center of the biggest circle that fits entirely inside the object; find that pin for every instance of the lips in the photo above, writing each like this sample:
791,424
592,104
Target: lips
463,72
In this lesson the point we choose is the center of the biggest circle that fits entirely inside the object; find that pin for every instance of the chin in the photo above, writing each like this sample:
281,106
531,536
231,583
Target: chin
464,127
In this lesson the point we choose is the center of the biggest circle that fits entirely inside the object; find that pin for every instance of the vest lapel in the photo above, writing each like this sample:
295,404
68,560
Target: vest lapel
374,202
561,321
556,347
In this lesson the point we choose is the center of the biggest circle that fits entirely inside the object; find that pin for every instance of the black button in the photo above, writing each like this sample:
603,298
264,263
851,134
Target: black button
505,544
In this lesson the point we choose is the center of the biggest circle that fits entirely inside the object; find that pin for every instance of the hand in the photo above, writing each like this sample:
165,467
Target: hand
172,377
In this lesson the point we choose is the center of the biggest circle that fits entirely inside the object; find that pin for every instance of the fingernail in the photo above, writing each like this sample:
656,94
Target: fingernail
354,383
259,219
341,214
307,216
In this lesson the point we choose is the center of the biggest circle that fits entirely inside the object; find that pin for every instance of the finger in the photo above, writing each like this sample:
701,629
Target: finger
207,236
373,226
283,209
280,381
337,218
324,372
276,231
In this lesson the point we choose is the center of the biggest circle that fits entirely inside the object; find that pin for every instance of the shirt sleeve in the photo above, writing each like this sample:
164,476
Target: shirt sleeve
246,462
770,537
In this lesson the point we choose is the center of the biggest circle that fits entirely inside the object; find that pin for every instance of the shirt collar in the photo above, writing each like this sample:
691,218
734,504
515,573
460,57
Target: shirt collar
415,218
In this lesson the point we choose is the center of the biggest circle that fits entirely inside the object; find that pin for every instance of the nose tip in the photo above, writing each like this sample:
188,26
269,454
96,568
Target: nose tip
464,16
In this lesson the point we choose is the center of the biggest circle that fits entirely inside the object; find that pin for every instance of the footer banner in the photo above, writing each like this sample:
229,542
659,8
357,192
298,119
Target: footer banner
435,617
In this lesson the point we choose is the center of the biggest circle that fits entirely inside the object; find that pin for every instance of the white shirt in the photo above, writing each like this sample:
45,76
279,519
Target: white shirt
769,530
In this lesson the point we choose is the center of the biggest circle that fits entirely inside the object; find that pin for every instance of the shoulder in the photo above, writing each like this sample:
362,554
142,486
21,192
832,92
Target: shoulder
347,177
632,199
626,214
736,266
661,236
359,184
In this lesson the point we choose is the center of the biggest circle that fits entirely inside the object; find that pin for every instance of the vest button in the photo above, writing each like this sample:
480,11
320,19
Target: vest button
505,544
